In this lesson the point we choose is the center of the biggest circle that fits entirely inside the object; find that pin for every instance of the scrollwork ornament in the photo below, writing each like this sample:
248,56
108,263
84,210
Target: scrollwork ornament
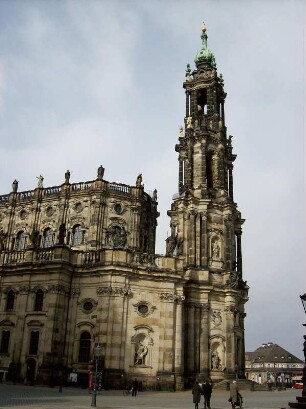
104,290
75,292
167,297
230,309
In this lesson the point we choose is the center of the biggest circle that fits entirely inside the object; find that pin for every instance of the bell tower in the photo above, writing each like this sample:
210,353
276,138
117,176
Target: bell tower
206,228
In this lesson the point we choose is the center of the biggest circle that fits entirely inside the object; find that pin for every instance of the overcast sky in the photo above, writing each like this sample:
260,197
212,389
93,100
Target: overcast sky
89,83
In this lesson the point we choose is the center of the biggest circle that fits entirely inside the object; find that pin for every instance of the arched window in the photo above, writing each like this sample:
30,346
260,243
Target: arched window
20,241
5,341
48,238
77,235
10,300
34,340
39,300
84,350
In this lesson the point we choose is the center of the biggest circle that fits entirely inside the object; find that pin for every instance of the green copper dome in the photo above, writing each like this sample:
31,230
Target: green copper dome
204,55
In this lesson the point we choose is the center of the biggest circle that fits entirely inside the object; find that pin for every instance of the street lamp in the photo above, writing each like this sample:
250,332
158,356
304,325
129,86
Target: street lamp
98,351
303,299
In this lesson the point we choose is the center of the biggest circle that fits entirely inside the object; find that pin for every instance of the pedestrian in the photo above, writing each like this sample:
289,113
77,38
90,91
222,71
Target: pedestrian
134,387
233,393
196,392
206,392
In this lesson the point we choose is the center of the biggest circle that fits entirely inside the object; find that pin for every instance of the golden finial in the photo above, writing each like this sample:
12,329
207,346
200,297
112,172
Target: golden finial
203,27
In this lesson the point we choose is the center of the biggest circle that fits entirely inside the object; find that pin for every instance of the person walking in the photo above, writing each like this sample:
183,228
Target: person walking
196,392
206,392
233,393
134,387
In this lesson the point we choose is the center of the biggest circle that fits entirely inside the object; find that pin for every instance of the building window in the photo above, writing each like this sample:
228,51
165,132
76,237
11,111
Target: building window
10,300
48,238
34,343
39,300
20,241
5,340
77,235
84,351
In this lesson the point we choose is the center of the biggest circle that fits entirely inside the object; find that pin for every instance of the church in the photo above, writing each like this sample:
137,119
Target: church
79,271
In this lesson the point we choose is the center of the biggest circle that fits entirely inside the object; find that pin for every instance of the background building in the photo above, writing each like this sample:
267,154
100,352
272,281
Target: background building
271,363
78,266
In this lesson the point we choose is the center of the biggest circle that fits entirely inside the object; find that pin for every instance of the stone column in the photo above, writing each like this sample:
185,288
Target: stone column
239,252
181,175
230,181
204,341
197,338
187,103
191,241
230,339
204,248
179,344
190,338
198,240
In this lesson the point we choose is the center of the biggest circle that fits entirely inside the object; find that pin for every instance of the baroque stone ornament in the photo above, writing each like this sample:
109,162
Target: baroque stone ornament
116,291
75,291
216,318
144,308
170,297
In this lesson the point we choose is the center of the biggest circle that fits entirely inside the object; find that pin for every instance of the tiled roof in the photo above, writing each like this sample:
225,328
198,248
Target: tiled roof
273,353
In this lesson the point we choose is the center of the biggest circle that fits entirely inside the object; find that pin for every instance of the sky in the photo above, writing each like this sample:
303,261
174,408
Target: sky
89,83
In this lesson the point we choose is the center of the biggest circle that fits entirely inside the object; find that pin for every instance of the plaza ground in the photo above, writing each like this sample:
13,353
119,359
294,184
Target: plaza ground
33,397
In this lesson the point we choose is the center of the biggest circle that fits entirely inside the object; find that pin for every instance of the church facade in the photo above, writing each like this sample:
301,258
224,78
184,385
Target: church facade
78,266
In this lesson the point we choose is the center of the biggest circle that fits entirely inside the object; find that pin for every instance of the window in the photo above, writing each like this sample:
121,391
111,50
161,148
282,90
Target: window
84,351
20,241
34,343
5,340
48,238
77,235
39,300
10,300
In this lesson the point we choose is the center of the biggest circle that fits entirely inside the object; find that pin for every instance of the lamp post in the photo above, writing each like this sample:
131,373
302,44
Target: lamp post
98,351
303,299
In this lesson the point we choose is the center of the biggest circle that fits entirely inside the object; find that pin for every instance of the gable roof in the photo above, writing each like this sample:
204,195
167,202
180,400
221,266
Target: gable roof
273,353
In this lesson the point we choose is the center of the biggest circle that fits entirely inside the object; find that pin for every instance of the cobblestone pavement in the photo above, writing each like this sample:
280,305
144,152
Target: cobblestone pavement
37,397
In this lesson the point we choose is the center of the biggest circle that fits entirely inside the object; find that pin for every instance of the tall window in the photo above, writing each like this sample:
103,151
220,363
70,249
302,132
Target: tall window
34,340
39,300
77,235
5,340
20,241
48,238
10,300
84,351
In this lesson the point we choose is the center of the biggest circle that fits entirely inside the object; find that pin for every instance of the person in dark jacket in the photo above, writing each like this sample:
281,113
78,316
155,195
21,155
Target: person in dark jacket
196,392
134,387
206,392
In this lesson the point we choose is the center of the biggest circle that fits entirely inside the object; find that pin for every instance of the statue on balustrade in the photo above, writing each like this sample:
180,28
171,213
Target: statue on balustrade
34,238
67,177
3,237
61,234
100,172
15,186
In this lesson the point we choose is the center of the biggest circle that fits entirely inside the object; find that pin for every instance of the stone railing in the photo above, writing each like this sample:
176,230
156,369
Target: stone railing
119,187
13,257
51,191
81,186
4,198
27,195
117,257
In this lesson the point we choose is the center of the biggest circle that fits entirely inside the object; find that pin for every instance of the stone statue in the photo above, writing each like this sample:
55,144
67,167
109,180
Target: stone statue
139,180
182,133
67,177
179,246
170,245
3,237
215,360
15,186
189,122
216,249
155,195
61,234
40,181
140,353
100,172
